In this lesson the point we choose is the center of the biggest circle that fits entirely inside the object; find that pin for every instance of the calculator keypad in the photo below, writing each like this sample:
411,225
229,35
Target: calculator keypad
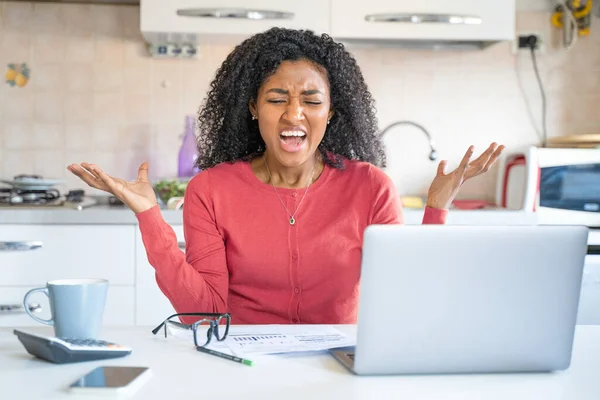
87,342
91,343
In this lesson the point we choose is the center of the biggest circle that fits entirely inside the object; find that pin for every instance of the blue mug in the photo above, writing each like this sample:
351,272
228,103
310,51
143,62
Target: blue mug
76,307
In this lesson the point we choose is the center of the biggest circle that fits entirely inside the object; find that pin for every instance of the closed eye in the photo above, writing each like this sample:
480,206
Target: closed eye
314,103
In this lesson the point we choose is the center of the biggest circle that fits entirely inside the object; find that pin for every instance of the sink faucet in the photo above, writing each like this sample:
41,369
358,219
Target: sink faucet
433,154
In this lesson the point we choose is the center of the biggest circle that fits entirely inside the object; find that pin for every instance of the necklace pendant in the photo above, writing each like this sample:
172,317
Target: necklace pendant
292,221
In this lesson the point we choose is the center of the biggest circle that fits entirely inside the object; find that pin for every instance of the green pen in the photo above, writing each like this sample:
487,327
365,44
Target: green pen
223,355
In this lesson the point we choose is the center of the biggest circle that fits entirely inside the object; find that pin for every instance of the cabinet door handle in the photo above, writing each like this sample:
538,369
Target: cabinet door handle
181,245
413,18
6,309
235,13
23,245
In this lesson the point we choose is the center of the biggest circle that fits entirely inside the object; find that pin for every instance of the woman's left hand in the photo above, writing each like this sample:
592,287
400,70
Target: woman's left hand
444,187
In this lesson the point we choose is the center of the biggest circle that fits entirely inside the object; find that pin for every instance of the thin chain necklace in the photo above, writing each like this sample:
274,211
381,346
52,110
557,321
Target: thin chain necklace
292,220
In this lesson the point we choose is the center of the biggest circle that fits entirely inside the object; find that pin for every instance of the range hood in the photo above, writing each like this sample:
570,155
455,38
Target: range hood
441,24
437,24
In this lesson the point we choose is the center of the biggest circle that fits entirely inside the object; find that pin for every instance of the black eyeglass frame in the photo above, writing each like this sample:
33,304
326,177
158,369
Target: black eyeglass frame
213,328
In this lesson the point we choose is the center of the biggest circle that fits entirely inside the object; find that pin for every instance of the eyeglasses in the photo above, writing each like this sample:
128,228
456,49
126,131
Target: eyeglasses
213,319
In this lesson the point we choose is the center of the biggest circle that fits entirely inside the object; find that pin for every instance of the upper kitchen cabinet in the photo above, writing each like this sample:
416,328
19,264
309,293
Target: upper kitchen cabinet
436,21
199,21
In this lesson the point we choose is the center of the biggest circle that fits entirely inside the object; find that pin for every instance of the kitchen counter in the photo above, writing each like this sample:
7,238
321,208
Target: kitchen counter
119,215
180,372
102,214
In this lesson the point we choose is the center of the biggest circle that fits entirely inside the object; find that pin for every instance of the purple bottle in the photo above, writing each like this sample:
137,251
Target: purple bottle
188,153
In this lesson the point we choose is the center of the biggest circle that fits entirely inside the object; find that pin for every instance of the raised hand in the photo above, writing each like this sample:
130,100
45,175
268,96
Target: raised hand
445,187
138,195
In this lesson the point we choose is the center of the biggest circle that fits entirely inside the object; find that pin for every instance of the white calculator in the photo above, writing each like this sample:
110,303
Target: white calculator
65,350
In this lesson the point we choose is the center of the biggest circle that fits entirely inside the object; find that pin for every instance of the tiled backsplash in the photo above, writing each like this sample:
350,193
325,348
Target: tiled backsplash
95,95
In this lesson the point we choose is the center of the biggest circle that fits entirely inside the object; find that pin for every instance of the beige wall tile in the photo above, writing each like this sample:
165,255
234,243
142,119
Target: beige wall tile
79,49
167,77
108,108
107,20
15,46
49,136
130,17
18,136
137,137
166,107
18,105
18,162
49,77
16,15
167,137
79,78
163,165
79,136
136,53
79,108
109,50
48,107
138,108
107,137
196,76
108,77
587,109
494,57
50,164
48,18
78,20
138,79
48,48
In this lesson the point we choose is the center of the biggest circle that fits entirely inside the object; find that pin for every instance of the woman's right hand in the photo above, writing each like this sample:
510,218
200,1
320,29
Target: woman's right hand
138,195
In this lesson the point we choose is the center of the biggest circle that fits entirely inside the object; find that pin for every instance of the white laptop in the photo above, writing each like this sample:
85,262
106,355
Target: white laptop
440,299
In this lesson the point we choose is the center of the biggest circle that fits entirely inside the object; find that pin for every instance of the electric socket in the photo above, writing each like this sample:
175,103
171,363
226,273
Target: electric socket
519,43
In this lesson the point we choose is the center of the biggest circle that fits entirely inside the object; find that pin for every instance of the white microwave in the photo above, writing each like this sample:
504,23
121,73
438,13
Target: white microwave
561,185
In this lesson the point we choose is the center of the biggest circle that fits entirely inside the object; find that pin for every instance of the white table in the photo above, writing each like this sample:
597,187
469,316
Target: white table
182,373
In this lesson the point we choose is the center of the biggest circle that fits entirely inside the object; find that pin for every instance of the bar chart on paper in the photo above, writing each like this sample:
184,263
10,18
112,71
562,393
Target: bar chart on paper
273,339
249,343
246,341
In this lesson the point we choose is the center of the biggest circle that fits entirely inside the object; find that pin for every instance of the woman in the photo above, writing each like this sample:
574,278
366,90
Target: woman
290,153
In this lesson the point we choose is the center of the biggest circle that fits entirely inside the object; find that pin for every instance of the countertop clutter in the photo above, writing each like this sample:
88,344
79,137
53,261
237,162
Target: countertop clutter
100,214
30,199
121,215
178,371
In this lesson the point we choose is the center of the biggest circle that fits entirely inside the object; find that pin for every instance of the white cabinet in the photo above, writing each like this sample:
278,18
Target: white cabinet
31,255
457,20
230,21
589,302
152,306
194,21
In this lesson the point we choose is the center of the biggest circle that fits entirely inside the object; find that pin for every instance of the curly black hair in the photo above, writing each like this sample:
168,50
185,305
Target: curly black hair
227,132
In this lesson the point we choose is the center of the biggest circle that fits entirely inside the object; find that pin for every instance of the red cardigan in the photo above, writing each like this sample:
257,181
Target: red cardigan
243,256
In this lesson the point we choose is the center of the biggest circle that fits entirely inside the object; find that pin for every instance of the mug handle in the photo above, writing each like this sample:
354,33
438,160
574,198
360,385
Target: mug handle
28,311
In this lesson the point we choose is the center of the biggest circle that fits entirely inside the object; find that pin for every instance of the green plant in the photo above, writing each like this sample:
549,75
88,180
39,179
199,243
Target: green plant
167,188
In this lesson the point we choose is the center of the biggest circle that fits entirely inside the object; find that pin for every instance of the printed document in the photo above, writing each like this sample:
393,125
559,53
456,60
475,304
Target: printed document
272,339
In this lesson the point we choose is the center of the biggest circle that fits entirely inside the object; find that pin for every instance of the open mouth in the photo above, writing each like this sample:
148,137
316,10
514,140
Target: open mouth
292,140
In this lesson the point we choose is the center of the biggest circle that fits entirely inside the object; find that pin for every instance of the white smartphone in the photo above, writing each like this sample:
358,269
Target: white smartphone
112,380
